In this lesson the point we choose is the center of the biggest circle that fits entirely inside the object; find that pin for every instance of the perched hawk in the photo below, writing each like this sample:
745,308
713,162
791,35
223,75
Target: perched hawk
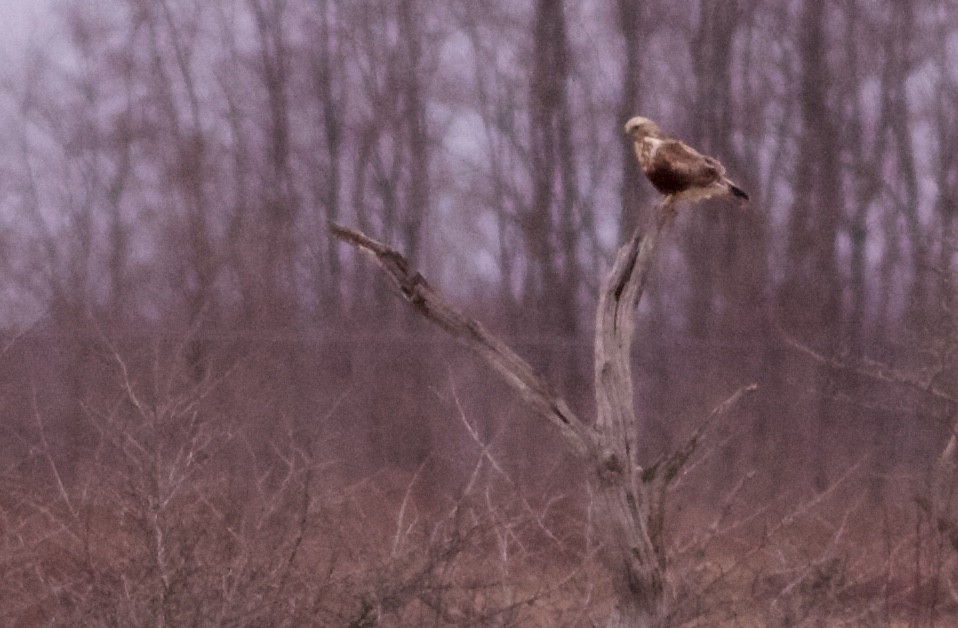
678,171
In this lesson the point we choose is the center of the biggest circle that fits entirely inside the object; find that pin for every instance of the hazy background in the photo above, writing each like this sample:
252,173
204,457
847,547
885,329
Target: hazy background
19,20
168,168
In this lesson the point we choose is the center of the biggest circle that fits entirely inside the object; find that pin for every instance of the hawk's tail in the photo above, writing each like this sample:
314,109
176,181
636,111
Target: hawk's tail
736,191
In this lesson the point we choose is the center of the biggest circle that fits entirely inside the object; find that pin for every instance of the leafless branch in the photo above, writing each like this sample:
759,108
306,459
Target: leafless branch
671,464
516,371
874,370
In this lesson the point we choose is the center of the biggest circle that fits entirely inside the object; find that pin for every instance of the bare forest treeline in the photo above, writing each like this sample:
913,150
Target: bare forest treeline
185,347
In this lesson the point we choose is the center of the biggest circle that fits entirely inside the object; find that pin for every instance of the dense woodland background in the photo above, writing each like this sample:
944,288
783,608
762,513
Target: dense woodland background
210,405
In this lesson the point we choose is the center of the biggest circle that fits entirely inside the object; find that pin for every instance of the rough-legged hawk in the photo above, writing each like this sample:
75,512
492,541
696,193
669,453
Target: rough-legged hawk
675,169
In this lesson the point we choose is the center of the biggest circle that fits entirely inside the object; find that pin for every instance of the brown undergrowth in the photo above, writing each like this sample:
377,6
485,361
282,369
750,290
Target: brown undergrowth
302,548
184,501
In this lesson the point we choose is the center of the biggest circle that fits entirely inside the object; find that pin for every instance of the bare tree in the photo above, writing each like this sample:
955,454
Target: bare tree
280,202
629,498
327,60
633,26
712,66
812,291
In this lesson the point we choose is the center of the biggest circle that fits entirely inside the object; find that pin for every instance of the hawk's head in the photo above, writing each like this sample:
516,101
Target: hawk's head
639,127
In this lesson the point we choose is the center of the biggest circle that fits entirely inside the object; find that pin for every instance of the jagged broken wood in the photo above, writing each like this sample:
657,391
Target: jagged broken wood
629,501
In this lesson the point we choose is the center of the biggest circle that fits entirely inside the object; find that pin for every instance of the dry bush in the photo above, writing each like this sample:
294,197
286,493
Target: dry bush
210,501
234,498
194,504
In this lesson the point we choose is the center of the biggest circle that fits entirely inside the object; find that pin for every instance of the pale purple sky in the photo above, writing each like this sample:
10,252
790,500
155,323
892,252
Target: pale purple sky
19,19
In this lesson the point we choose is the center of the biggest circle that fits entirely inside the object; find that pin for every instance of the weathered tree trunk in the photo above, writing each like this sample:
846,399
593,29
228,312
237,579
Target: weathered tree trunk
629,499
634,555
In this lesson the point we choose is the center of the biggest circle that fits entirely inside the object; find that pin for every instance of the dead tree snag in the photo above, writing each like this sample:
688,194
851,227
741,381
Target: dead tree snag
629,499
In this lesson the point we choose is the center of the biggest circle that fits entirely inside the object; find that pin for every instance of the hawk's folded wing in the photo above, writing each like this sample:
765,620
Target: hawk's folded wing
675,167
